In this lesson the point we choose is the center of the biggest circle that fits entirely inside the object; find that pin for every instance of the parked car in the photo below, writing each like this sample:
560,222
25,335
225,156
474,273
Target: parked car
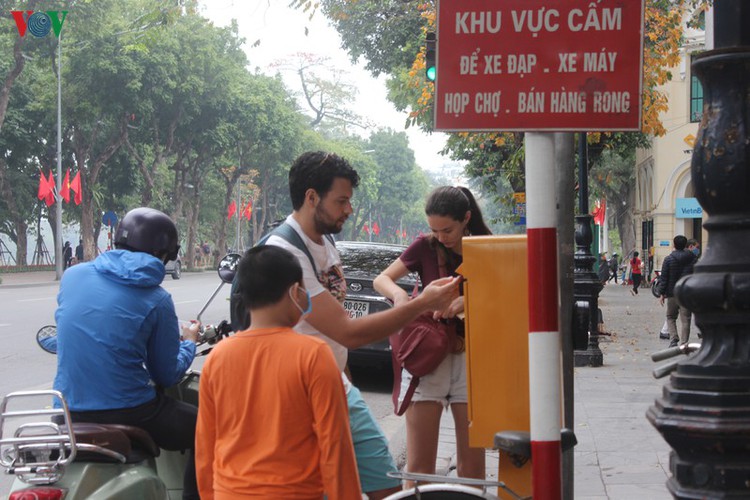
174,267
361,263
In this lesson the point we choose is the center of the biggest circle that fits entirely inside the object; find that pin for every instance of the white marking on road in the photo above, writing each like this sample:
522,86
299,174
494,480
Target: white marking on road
37,299
186,302
5,324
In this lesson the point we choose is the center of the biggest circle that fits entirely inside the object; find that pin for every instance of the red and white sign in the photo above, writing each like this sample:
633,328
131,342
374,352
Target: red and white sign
539,65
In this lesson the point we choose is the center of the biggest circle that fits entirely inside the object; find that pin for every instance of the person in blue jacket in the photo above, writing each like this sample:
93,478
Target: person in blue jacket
118,334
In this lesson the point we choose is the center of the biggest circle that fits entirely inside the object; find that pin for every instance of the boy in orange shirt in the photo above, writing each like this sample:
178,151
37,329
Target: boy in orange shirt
272,418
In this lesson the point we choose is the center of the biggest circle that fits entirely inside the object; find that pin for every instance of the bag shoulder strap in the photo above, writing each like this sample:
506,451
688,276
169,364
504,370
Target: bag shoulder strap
289,234
442,266
239,314
401,409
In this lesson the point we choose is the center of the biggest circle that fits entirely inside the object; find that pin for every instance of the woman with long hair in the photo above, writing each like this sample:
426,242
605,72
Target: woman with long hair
636,273
452,213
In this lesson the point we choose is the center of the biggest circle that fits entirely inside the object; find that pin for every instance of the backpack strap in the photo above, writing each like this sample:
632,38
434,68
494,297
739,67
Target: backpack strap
288,233
239,315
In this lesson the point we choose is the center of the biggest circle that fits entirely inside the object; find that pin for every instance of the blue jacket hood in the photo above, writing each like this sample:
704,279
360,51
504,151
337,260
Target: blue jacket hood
131,268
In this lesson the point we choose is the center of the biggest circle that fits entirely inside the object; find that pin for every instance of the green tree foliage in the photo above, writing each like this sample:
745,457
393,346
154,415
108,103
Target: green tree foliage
383,32
160,109
398,202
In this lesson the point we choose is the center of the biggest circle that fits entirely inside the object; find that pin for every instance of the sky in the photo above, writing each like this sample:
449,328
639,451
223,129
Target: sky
281,31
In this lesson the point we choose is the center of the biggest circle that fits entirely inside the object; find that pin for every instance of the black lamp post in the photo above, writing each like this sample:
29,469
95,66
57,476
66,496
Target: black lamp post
704,412
586,283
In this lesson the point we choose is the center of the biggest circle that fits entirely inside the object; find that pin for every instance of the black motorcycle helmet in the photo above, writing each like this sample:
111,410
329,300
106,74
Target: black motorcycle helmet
148,230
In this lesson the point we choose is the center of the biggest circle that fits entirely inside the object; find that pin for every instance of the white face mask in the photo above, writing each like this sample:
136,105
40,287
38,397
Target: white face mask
305,311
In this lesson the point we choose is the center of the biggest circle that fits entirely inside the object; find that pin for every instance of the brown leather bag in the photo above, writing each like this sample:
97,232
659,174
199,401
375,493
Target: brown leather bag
420,347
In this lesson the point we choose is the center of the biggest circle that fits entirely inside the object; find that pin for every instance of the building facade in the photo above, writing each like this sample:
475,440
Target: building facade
665,204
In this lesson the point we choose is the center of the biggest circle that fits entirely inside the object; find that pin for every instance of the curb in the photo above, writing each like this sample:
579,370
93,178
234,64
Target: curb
28,285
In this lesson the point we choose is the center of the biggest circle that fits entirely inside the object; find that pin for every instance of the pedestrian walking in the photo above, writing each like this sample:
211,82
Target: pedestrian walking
613,265
694,246
79,252
603,271
67,255
452,213
636,272
679,263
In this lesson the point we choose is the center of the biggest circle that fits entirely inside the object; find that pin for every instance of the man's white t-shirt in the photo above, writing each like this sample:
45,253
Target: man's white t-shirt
330,278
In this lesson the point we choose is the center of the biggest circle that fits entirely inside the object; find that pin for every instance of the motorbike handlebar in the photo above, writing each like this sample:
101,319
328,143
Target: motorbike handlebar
666,369
666,353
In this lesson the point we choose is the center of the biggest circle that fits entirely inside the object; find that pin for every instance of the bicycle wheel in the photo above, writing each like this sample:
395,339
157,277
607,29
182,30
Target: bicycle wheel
442,492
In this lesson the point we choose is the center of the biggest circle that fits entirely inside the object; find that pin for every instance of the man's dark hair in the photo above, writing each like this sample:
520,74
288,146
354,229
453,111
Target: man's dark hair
317,170
680,242
266,272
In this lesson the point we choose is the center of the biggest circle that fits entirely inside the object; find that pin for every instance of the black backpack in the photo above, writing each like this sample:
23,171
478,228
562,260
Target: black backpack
238,311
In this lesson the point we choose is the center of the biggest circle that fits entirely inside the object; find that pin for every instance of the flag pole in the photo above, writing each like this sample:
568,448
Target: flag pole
58,195
239,215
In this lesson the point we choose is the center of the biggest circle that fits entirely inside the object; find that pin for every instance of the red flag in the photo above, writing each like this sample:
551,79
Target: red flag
366,228
231,210
65,192
75,185
50,198
599,212
376,229
44,186
248,210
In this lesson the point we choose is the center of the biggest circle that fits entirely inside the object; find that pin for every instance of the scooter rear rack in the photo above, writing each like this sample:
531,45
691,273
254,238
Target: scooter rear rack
39,451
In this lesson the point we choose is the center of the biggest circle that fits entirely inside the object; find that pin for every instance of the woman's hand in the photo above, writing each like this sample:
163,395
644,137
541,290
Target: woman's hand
439,294
454,309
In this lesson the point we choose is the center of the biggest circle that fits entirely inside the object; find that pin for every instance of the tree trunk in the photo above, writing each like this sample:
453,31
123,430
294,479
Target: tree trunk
89,178
229,183
193,225
21,243
15,214
626,227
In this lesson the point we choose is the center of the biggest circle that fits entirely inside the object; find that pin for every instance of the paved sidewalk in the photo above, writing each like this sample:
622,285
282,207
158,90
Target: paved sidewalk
31,278
619,455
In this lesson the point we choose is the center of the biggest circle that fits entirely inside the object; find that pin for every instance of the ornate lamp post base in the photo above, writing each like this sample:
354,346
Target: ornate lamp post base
586,288
704,413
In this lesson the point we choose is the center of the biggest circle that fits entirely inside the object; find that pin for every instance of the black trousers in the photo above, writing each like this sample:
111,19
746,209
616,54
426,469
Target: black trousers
637,282
170,423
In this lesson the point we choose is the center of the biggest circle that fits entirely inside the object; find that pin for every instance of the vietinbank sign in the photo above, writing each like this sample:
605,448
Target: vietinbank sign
542,65
688,208
39,24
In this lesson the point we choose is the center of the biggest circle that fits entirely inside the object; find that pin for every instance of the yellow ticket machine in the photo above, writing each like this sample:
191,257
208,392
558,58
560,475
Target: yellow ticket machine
496,308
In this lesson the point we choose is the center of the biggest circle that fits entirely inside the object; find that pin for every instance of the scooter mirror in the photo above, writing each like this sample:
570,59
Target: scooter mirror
46,337
228,267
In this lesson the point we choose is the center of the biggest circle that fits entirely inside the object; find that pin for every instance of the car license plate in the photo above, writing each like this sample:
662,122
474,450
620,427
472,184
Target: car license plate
356,308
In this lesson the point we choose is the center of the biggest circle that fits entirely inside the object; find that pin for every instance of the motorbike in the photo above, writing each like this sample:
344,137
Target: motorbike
72,461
